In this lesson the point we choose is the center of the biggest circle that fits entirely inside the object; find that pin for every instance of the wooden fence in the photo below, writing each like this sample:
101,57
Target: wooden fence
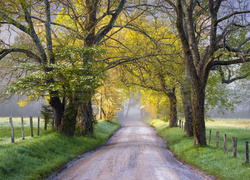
31,120
234,142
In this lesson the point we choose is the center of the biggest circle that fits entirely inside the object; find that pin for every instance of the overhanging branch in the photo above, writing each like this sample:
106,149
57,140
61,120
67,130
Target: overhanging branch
230,80
111,22
230,15
30,54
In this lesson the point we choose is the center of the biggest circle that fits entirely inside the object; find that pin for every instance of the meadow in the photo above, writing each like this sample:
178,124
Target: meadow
5,130
38,157
209,158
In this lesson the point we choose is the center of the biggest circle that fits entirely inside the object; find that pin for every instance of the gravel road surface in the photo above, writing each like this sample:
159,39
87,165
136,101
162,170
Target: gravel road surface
135,152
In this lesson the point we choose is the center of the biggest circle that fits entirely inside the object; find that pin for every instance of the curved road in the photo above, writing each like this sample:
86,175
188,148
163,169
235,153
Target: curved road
135,152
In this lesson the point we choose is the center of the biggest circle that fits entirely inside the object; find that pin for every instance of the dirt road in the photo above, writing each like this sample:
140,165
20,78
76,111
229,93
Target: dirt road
135,152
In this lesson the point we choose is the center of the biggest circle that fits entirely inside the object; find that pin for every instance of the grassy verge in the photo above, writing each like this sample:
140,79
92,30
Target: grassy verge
38,157
210,159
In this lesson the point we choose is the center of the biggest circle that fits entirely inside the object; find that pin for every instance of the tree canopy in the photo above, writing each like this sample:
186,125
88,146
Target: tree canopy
84,54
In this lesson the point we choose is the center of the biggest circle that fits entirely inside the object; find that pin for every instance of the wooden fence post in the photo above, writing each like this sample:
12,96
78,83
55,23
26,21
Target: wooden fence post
210,131
217,139
225,143
12,131
38,125
31,126
247,152
179,123
234,146
22,128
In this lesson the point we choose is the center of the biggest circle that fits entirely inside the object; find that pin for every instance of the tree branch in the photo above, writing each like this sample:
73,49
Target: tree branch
111,23
32,32
5,52
229,80
126,60
230,15
235,61
57,24
15,23
242,43
171,4
134,29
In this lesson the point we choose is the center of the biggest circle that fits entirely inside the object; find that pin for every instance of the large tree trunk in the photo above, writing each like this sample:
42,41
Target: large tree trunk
57,110
198,115
68,124
187,105
85,116
85,119
173,109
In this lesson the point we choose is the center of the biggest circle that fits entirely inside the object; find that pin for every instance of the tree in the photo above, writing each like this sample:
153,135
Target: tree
187,105
62,71
203,28
19,15
153,68
85,23
110,97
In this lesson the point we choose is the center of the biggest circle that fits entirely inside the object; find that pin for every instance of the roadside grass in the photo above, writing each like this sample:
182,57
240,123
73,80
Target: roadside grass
211,159
38,157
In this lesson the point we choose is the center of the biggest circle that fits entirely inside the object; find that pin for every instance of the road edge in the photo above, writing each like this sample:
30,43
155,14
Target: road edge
189,166
59,172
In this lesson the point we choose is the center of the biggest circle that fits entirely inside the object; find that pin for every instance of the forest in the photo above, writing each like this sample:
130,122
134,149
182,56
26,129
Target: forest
85,59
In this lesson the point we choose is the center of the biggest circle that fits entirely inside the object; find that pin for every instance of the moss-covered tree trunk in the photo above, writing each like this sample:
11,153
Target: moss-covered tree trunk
173,108
198,114
187,105
85,119
68,124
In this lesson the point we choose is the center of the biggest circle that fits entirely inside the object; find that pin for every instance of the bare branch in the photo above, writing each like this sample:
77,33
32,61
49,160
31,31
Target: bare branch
119,42
15,23
243,43
126,60
56,24
229,80
235,61
230,15
171,4
135,29
232,49
30,54
111,22
225,30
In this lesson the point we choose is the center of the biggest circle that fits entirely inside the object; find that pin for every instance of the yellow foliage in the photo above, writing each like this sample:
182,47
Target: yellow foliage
22,103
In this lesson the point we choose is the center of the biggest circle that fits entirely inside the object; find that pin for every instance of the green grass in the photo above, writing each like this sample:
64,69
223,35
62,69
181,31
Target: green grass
5,130
38,157
211,159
